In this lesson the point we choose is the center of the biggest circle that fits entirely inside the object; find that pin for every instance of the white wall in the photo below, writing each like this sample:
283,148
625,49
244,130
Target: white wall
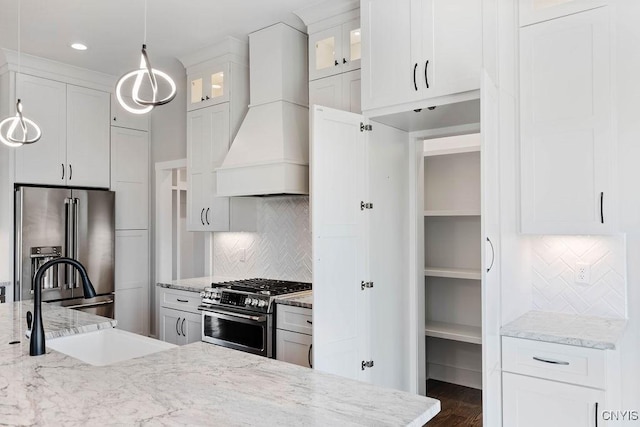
168,142
626,14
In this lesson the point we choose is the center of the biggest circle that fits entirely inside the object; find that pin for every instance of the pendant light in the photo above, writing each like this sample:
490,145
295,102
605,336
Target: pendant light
19,130
143,106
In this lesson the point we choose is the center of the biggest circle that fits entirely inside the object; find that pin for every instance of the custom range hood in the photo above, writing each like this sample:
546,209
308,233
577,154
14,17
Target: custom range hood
270,153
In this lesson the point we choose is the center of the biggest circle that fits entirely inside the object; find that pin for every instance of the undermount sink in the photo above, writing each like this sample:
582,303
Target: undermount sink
107,346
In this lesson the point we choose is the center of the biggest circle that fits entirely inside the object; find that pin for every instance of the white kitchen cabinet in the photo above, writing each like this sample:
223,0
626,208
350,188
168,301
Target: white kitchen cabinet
75,125
335,50
295,348
208,87
132,280
417,50
124,119
341,92
567,146
572,384
180,320
533,11
359,301
130,177
208,141
534,402
294,335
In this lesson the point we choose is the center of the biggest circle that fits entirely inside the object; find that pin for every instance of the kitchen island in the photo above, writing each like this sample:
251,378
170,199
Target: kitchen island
196,384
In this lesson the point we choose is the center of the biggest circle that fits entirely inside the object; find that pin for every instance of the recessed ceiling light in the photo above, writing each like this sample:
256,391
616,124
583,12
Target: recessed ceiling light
79,46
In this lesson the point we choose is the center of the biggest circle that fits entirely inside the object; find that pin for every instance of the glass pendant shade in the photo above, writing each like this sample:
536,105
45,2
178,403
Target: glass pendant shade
19,130
141,105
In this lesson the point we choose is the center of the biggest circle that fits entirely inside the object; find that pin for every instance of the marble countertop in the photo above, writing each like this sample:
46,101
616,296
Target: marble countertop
194,384
194,284
570,329
299,299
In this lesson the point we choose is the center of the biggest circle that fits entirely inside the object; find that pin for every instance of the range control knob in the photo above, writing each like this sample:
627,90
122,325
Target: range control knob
254,302
247,301
207,295
262,303
203,294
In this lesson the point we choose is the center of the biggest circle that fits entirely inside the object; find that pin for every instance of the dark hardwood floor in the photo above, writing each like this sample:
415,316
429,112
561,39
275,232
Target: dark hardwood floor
460,406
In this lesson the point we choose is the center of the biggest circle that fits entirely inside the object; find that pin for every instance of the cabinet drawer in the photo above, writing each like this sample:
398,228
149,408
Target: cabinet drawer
558,362
296,319
180,300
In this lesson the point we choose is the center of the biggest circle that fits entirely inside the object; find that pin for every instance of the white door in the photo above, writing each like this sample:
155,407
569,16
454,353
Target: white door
387,69
217,215
490,220
326,92
191,327
351,46
45,102
565,125
340,337
198,168
533,402
88,137
170,326
130,177
293,347
325,53
388,229
132,280
351,91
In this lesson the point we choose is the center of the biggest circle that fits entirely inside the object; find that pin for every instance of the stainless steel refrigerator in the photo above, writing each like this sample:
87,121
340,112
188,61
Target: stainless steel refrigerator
76,223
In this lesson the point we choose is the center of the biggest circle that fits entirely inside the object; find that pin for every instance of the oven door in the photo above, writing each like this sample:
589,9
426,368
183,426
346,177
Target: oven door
243,331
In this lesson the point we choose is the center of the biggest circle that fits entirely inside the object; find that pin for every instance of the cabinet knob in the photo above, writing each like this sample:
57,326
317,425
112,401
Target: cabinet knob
344,60
202,99
207,97
114,119
336,62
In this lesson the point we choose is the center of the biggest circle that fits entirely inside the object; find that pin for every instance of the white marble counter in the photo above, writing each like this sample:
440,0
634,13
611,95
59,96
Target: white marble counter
194,284
299,299
197,384
582,331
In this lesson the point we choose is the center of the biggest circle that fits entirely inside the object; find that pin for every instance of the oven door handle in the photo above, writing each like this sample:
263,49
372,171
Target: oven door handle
229,315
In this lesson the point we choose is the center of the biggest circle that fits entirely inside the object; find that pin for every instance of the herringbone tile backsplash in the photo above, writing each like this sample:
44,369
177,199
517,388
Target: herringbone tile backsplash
281,249
554,285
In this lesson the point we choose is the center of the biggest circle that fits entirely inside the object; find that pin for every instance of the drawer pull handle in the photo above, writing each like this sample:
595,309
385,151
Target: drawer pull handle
310,322
553,362
182,300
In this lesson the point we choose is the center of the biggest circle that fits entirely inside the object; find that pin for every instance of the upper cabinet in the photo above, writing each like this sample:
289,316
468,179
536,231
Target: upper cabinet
75,134
124,119
416,50
335,50
532,11
208,86
566,125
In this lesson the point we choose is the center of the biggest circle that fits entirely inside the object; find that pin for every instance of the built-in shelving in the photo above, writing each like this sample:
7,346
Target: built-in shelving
454,332
453,273
452,145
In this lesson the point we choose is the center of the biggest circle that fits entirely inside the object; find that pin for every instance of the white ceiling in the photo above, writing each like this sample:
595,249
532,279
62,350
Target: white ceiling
113,29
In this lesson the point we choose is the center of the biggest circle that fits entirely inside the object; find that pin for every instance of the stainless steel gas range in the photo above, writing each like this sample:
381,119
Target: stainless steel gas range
239,314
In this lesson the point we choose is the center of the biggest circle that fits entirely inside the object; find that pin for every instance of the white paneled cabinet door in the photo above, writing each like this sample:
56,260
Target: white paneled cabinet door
191,327
490,225
293,347
132,280
130,177
352,91
532,11
169,326
87,137
340,335
387,70
44,102
565,125
533,402
326,92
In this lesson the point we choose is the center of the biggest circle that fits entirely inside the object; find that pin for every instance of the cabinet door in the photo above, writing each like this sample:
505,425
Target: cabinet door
130,177
132,280
387,69
533,402
45,102
351,92
532,11
294,348
456,31
565,125
325,53
124,119
209,87
217,213
191,327
326,92
88,137
351,46
170,326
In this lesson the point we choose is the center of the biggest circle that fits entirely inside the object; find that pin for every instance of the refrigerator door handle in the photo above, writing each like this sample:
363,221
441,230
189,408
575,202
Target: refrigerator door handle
76,222
68,241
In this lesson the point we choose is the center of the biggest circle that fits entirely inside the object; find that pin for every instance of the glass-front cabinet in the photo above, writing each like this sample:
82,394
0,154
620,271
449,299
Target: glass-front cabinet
209,87
334,50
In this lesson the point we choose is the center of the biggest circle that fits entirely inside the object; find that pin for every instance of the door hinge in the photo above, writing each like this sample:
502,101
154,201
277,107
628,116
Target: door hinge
367,364
364,206
364,127
364,285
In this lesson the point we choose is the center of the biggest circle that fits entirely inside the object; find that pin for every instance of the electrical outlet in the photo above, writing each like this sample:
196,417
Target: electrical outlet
243,254
583,272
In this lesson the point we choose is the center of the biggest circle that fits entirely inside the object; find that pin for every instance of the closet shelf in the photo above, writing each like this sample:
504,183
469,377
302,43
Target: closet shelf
452,145
454,332
452,212
453,273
